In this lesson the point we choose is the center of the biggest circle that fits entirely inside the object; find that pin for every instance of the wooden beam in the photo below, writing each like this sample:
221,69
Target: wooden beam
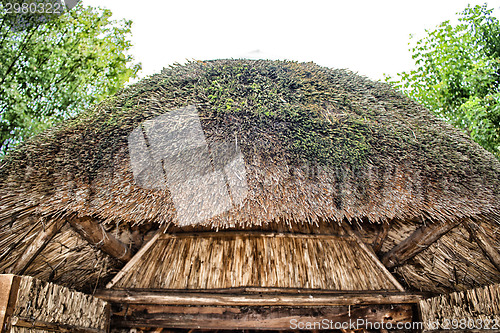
381,236
135,259
485,243
274,290
252,233
36,246
9,285
95,234
418,241
275,318
374,257
52,327
163,297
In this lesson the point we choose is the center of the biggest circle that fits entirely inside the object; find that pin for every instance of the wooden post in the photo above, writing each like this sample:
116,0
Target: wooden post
93,233
9,285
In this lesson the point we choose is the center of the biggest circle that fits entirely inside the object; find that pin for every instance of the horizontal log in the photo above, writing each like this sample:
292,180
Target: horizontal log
250,233
275,318
220,299
53,327
417,242
276,290
94,233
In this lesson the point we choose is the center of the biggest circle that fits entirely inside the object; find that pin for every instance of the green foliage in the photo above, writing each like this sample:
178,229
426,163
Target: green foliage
457,75
53,71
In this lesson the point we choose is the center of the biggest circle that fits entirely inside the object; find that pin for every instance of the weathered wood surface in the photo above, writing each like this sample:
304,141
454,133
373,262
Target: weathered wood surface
417,242
484,242
276,318
93,232
37,245
9,284
53,327
381,237
273,290
159,297
246,233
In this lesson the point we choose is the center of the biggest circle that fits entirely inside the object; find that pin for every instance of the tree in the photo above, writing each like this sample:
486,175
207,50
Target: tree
53,71
457,75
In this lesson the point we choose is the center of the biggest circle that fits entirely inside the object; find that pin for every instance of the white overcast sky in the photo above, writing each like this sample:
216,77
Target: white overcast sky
368,37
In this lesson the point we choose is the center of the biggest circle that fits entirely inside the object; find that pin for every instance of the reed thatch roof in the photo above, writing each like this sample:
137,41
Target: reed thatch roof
318,147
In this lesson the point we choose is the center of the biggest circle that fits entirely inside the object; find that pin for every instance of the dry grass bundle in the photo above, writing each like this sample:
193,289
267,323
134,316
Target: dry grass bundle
474,308
39,301
233,259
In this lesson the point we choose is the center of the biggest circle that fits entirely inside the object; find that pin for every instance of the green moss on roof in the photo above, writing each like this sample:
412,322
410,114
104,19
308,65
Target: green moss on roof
324,116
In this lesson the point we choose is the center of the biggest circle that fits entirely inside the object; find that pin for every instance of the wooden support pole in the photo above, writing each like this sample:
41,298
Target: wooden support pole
95,234
418,241
369,252
271,318
381,236
9,285
37,245
163,297
485,243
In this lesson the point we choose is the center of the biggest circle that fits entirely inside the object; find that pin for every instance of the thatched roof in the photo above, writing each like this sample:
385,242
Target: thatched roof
317,143
318,147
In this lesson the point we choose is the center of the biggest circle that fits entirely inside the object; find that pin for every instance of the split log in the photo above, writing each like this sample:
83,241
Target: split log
418,241
275,318
52,327
164,297
95,234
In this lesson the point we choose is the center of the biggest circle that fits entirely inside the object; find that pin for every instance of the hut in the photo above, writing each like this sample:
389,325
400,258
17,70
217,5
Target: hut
253,194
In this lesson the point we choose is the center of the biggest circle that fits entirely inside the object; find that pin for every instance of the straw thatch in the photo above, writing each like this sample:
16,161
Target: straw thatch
477,308
46,304
454,262
256,260
325,143
319,148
